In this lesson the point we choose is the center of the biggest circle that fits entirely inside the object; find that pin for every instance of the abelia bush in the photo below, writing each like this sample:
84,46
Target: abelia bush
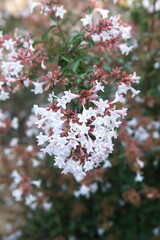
79,126
67,90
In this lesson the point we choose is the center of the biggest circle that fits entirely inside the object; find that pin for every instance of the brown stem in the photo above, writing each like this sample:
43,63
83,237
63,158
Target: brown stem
60,29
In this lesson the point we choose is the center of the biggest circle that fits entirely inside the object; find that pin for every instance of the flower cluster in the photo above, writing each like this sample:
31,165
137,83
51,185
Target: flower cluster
18,61
81,138
150,6
22,189
49,7
138,136
22,159
6,122
108,32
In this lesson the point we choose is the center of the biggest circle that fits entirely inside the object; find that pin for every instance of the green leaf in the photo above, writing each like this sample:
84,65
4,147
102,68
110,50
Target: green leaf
107,67
36,42
67,58
54,18
120,60
78,37
76,63
34,76
45,35
91,43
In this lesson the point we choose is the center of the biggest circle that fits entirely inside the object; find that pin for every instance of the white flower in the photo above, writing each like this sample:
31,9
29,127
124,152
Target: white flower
62,102
105,36
13,142
102,105
32,5
157,5
42,65
37,183
68,96
139,177
103,12
87,20
47,205
88,166
123,88
146,3
86,114
140,163
26,82
16,177
84,191
2,125
141,134
125,49
30,199
29,45
101,230
156,135
19,162
38,88
126,32
41,138
156,230
134,91
96,37
29,148
93,187
60,11
107,164
135,78
156,65
83,128
133,122
14,123
119,98
12,68
35,162
122,112
98,87
4,95
50,97
17,194
8,44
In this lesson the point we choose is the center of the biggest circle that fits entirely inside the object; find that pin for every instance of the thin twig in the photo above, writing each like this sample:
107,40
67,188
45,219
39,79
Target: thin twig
60,29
